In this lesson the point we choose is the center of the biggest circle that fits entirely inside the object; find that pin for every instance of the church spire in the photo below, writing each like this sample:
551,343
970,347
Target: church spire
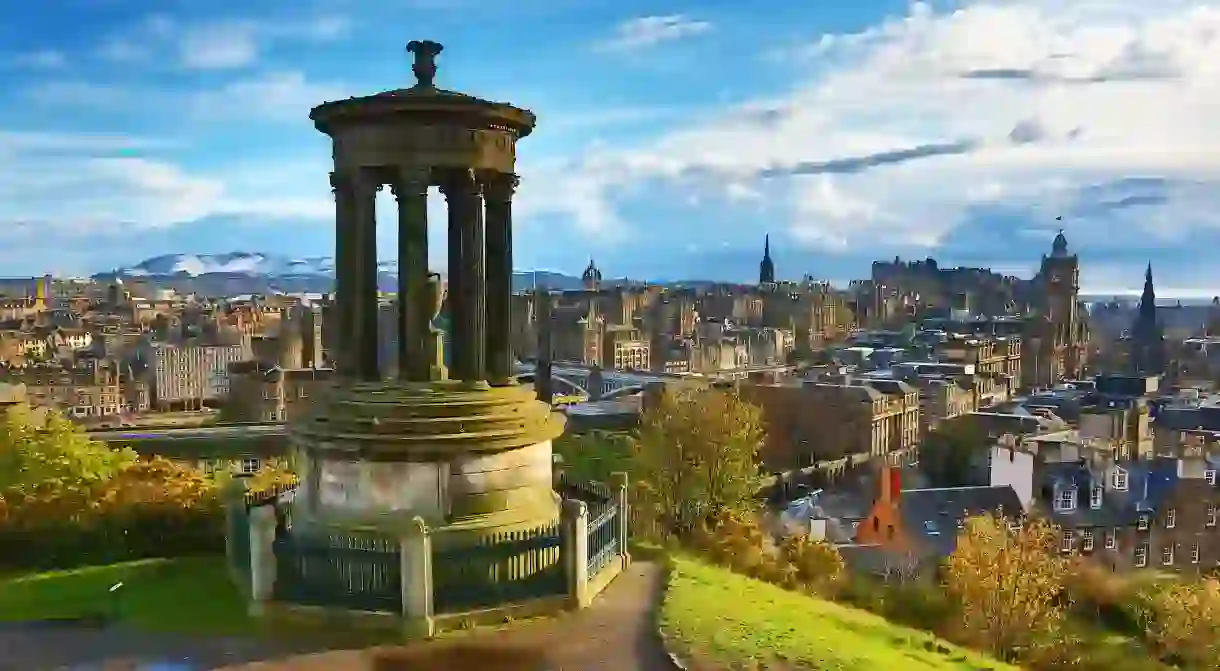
1147,338
766,269
1148,297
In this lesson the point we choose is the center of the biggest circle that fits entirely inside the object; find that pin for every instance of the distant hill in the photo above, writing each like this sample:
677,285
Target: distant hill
237,273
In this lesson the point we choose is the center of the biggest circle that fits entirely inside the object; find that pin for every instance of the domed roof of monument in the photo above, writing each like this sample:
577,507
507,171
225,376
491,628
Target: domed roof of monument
424,98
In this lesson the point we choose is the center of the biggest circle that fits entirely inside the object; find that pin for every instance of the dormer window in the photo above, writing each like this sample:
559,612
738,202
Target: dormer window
1066,499
1210,476
1119,479
1142,523
1095,497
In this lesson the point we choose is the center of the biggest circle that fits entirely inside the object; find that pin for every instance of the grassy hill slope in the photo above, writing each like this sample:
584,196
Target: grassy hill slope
719,619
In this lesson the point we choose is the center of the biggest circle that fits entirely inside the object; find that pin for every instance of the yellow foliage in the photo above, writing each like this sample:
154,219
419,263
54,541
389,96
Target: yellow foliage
1008,585
816,564
1183,620
696,456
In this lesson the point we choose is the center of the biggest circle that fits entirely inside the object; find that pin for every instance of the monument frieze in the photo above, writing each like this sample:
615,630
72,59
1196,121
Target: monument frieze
441,146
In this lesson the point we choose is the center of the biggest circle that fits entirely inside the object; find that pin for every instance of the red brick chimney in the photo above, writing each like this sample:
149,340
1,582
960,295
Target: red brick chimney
891,483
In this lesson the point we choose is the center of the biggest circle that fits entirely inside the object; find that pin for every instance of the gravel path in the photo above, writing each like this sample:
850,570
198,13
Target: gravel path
616,633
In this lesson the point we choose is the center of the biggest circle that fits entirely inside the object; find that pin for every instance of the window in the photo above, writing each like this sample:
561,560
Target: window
1066,499
1167,555
1194,553
1141,555
1210,476
1171,518
1120,479
1111,539
1095,497
249,465
1142,524
1211,514
1067,541
1086,539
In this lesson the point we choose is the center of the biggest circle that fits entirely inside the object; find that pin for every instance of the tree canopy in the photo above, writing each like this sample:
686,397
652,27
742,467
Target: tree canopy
1007,584
45,448
696,457
949,454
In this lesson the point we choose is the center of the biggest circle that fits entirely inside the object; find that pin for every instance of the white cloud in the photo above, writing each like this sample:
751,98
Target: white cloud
898,131
215,45
43,59
648,31
273,95
220,46
100,185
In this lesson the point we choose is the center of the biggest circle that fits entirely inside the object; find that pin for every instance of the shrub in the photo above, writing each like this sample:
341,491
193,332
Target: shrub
1183,621
1098,594
817,564
153,508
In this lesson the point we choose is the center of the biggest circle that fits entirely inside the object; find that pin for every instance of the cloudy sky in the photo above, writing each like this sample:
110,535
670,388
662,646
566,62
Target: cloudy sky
672,135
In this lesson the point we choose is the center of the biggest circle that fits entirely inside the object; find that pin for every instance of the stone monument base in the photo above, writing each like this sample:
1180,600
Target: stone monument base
470,459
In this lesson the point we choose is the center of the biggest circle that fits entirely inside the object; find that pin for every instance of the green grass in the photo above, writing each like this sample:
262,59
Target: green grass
721,618
180,595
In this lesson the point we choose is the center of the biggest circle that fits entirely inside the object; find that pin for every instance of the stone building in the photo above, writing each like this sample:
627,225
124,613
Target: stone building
190,375
267,393
1057,334
92,389
806,423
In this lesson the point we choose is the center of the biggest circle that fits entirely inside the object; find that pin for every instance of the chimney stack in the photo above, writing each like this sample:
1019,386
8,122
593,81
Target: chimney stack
891,483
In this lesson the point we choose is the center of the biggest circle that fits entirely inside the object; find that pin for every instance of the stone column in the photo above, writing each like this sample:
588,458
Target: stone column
466,266
543,371
411,190
498,191
345,273
363,346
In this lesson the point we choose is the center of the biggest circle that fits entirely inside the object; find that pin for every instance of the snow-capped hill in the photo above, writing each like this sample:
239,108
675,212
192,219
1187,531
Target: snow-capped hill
239,273
238,263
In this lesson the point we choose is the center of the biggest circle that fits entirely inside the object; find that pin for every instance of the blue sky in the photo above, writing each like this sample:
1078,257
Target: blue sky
672,135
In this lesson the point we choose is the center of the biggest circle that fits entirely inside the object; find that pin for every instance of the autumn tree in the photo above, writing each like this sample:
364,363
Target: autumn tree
42,448
1183,620
950,453
1007,583
696,457
595,455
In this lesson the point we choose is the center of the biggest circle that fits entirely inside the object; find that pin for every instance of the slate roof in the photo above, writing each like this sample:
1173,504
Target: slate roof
1149,483
935,515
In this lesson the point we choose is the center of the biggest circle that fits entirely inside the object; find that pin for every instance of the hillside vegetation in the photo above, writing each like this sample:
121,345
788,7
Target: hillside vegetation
719,618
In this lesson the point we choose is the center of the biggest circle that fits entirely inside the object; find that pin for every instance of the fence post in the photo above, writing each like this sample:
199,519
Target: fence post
574,537
416,568
234,497
262,556
618,489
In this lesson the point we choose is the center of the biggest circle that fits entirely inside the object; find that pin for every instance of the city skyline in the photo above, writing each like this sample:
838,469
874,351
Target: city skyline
670,139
